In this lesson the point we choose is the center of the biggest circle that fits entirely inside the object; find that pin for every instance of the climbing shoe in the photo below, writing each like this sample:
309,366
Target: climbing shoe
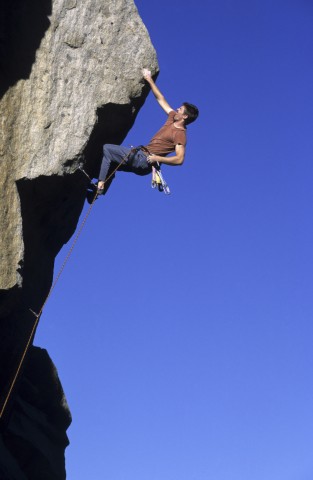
93,192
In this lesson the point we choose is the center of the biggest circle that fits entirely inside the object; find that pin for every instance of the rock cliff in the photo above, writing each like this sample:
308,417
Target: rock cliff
70,81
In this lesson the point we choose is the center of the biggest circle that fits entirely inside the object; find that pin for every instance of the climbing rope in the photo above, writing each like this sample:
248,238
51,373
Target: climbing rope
38,315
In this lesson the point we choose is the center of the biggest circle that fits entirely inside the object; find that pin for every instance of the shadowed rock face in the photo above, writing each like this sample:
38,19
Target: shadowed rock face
34,439
70,81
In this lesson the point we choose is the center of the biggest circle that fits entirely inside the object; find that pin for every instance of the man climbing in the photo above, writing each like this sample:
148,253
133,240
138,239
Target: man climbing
171,138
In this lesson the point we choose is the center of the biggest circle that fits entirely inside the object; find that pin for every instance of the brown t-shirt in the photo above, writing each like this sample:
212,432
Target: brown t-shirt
166,139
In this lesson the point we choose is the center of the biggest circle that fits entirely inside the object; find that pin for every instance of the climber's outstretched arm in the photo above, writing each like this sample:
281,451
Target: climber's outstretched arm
156,92
174,160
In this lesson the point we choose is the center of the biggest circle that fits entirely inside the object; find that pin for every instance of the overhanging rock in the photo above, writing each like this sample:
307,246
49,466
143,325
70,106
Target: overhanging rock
71,81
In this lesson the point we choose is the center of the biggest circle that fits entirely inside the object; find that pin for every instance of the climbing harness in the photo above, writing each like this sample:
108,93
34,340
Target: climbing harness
38,315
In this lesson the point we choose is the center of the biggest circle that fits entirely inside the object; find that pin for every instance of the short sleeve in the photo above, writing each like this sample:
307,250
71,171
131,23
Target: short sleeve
180,138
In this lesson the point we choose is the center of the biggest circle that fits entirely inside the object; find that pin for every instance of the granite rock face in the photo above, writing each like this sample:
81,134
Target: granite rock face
70,81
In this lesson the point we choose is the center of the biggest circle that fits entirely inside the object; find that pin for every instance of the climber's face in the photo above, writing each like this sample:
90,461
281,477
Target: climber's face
180,114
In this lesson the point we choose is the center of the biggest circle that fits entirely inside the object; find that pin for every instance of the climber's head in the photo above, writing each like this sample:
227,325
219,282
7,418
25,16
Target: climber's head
191,112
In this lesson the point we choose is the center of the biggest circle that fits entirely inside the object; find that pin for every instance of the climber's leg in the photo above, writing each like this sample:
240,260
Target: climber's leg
112,155
126,159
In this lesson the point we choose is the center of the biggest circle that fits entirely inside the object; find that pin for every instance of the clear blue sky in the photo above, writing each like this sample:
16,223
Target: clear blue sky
182,325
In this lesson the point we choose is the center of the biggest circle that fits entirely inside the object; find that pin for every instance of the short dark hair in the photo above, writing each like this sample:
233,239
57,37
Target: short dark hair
192,112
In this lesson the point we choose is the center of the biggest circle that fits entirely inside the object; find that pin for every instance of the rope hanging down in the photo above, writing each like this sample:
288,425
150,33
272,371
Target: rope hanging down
38,315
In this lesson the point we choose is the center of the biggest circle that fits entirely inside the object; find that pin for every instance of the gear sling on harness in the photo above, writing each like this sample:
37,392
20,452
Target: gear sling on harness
157,180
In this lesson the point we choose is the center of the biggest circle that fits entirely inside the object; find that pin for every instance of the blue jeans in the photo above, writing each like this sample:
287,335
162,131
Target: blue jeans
114,154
